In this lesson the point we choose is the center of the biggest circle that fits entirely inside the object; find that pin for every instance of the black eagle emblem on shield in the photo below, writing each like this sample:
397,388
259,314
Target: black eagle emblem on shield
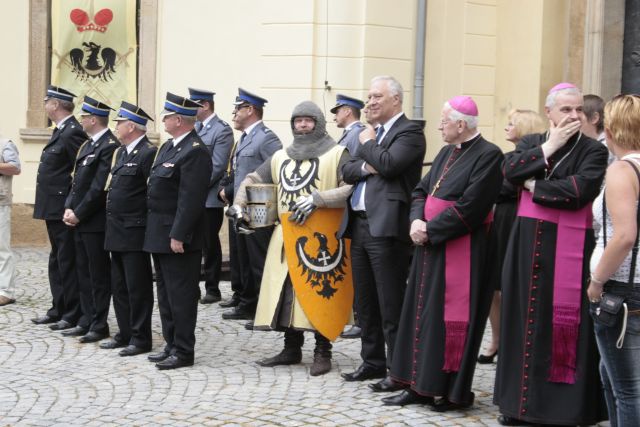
298,182
324,270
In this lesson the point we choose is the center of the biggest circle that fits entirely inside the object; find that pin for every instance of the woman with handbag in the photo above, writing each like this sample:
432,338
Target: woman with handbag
614,288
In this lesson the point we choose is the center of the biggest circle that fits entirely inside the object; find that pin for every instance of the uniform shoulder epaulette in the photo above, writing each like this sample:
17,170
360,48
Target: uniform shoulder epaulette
360,125
224,123
266,130
195,143
111,141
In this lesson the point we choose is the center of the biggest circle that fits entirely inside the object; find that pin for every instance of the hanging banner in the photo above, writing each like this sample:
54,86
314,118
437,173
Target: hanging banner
94,49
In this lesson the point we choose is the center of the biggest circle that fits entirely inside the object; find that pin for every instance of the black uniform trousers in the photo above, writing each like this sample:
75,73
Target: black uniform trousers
234,265
63,280
94,276
380,267
252,253
132,288
212,251
177,278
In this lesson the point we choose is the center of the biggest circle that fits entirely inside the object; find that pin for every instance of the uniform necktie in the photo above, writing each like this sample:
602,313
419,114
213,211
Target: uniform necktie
357,192
198,126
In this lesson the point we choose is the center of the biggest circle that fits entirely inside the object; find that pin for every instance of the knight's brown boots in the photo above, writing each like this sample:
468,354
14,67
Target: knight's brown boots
321,356
292,352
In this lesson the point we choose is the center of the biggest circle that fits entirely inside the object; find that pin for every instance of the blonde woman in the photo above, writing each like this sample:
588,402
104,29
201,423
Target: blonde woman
521,123
613,265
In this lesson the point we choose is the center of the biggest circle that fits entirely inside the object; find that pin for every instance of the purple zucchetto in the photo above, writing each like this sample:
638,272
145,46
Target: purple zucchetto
465,105
562,86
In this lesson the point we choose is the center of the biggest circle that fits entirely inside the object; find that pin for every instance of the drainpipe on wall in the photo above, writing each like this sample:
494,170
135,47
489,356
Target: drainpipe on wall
418,84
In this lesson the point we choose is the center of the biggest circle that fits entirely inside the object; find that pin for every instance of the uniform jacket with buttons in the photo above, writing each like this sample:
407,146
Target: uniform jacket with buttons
351,138
87,198
257,146
218,137
127,197
176,195
54,172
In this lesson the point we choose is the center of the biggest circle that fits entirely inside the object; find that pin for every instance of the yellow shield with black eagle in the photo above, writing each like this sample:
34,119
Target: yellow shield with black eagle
320,269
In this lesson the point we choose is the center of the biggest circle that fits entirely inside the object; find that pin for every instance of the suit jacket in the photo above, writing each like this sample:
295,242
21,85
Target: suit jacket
54,172
398,160
218,137
351,138
257,146
88,196
176,195
127,197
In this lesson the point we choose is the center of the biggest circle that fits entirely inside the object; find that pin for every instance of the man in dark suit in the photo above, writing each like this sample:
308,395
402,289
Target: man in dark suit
52,186
257,143
218,138
131,278
385,170
84,210
176,196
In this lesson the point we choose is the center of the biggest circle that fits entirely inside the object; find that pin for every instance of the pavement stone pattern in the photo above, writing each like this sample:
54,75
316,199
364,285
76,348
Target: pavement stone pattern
51,380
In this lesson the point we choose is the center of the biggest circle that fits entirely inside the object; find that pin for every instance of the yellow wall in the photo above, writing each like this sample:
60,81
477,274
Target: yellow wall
14,84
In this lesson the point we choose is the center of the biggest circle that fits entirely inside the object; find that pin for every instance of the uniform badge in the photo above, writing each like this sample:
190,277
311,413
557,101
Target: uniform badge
130,164
168,165
195,144
111,141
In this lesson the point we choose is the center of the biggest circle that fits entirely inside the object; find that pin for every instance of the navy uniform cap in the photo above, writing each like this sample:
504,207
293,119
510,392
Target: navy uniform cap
347,100
175,104
59,93
94,107
245,97
201,94
132,112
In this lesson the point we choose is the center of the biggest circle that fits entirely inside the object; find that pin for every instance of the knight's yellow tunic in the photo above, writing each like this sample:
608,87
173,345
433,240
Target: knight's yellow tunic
293,179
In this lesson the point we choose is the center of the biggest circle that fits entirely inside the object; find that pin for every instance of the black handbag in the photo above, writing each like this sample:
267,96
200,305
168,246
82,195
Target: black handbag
608,309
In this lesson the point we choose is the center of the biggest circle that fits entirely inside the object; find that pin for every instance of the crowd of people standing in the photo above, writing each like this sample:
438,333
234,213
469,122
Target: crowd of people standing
483,235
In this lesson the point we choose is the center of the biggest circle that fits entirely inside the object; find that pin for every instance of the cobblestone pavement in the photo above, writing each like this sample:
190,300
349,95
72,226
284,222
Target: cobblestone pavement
47,379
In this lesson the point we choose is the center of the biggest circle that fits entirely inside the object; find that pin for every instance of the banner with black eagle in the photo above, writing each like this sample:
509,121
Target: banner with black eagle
94,49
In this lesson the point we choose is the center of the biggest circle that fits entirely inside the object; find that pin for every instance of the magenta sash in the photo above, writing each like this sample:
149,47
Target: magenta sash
567,281
457,287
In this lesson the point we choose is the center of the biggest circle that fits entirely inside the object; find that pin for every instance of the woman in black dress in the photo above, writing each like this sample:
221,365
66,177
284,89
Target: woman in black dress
521,122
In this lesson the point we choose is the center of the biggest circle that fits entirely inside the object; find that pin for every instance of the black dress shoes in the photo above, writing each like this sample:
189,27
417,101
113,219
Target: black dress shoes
111,344
351,333
231,302
78,331
93,336
173,362
407,397
158,357
60,325
505,420
237,313
486,359
445,405
210,299
249,325
387,385
132,350
365,373
43,320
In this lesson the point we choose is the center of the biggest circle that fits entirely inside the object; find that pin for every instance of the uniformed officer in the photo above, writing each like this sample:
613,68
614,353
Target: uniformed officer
257,143
52,186
85,211
131,277
218,137
176,196
347,117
